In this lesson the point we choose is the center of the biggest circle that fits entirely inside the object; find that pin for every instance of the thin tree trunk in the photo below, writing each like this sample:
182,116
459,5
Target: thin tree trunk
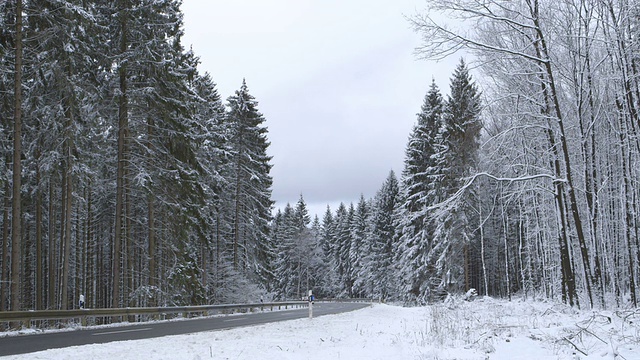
541,48
628,208
51,303
64,301
151,222
91,270
16,214
4,282
505,229
123,124
236,235
589,147
482,254
39,267
127,267
152,252
27,269
568,277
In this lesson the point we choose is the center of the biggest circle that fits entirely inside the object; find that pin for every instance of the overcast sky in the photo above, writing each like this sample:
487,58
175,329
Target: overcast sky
337,81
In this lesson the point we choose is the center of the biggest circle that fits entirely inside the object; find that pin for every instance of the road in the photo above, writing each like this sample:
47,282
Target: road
22,344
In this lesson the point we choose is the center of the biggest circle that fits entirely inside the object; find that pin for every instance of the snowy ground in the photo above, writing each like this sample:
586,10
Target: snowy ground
483,329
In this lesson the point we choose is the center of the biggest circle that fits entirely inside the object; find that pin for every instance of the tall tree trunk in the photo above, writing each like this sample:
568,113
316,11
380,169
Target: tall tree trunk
5,247
236,220
91,269
68,189
27,269
152,252
151,221
482,253
541,48
127,267
588,133
505,229
123,124
16,214
51,302
628,208
39,261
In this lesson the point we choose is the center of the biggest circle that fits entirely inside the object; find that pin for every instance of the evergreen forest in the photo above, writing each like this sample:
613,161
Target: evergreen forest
130,180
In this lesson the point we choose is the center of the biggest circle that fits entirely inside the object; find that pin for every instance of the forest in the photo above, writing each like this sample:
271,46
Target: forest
129,180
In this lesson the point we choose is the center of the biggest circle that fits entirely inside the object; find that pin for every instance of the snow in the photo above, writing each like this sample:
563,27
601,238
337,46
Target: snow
482,329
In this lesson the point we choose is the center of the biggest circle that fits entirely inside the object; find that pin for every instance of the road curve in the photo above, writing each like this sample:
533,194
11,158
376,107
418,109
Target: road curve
22,344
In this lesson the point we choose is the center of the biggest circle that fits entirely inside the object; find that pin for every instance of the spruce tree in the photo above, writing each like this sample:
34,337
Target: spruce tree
329,266
249,184
359,246
417,187
455,161
385,238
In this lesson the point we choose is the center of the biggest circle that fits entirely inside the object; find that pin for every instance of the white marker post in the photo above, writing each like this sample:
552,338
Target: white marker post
310,304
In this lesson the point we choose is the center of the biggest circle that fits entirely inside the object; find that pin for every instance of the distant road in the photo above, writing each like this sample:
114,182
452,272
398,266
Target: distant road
22,344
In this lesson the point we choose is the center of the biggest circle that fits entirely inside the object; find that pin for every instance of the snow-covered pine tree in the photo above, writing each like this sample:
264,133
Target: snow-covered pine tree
384,238
455,160
249,185
328,272
65,50
283,236
415,227
360,233
211,145
341,246
303,251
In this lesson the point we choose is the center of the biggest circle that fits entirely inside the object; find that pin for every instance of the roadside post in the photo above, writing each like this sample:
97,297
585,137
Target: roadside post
310,304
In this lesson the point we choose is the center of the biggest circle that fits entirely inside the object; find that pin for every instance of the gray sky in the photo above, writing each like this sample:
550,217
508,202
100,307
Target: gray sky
336,80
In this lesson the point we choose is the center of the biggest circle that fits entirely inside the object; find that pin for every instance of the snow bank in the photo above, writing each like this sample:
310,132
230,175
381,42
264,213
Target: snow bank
484,329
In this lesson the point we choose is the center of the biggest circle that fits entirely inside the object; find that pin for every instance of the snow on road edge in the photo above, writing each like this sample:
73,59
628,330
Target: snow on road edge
487,329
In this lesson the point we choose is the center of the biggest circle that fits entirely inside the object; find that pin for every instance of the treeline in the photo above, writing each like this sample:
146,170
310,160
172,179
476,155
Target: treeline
127,178
413,241
547,205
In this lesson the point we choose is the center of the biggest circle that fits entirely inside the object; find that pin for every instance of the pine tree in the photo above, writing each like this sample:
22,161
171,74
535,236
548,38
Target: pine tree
341,248
456,160
249,184
384,238
360,233
417,190
211,145
285,232
329,267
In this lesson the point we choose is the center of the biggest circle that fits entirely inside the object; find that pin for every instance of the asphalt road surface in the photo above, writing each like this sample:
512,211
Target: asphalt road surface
22,344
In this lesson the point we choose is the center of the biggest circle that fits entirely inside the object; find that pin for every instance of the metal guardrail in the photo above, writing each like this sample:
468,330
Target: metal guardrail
26,317
358,300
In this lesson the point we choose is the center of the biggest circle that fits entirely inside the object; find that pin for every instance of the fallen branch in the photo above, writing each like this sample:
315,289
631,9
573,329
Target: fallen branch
575,347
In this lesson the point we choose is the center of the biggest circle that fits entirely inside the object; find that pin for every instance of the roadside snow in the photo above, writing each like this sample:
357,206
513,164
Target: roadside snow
484,329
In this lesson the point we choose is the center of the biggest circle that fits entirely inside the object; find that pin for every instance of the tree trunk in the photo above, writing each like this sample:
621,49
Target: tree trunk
542,51
68,190
505,229
16,214
52,266
123,124
5,247
91,269
152,252
236,222
39,267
